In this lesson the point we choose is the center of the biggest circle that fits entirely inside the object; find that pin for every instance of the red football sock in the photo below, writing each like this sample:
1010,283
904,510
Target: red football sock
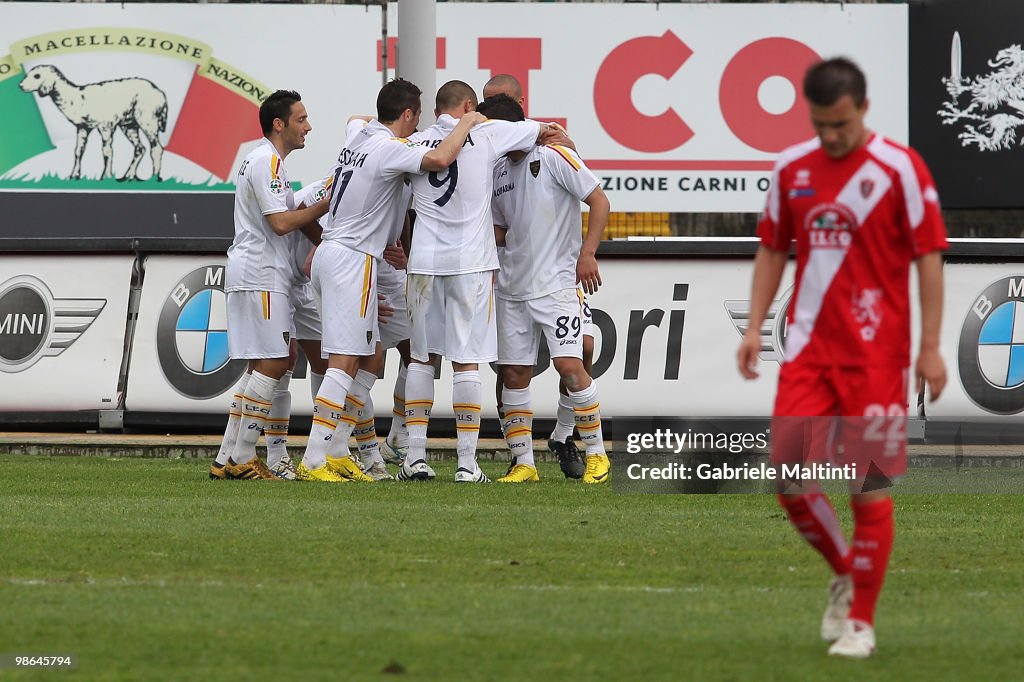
815,519
872,544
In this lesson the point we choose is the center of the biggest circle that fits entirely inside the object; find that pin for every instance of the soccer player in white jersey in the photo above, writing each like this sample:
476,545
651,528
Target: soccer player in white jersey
451,276
357,418
364,205
259,277
536,209
561,442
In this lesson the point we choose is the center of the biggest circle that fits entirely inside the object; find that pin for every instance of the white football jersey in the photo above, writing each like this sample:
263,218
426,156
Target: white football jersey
453,232
538,200
366,194
259,259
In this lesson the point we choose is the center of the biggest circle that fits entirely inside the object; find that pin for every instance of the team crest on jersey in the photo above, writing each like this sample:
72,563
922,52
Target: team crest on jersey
773,329
867,311
192,336
867,187
535,168
276,186
991,350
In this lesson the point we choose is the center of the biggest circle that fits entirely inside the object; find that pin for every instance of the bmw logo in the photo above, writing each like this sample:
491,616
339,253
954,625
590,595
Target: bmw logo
991,351
192,336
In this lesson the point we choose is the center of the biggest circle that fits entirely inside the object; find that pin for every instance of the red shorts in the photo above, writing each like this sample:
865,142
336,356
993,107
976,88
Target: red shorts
842,415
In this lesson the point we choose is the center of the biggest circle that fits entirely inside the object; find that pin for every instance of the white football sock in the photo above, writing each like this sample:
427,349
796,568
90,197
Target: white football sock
256,402
419,398
518,424
566,419
327,409
275,433
466,395
227,444
588,418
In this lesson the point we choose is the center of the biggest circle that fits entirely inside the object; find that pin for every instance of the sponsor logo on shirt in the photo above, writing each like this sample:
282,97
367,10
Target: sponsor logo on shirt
830,226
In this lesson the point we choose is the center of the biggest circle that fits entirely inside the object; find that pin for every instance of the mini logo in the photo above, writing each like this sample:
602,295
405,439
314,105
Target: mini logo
773,329
866,188
192,336
803,178
276,186
34,324
287,337
369,337
535,168
991,350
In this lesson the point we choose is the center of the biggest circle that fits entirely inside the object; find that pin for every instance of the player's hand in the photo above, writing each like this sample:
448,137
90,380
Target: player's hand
587,273
384,311
746,356
395,256
931,369
552,133
474,117
307,265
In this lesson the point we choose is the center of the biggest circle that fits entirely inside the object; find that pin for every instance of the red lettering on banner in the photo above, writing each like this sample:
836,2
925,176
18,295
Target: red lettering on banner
516,57
739,86
442,49
622,68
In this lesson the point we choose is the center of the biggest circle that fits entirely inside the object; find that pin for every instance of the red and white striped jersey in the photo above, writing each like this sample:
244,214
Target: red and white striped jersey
858,223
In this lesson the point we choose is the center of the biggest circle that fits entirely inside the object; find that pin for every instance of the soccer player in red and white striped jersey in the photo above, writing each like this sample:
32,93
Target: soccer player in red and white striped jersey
860,208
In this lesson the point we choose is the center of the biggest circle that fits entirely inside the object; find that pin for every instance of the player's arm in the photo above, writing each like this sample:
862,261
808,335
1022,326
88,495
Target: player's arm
587,272
284,222
930,367
442,156
769,265
499,235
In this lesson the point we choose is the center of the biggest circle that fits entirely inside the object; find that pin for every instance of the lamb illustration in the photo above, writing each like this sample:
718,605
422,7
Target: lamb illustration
131,104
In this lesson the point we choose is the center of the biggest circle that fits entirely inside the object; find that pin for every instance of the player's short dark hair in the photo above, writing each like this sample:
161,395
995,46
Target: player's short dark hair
501,107
278,105
395,97
454,93
827,81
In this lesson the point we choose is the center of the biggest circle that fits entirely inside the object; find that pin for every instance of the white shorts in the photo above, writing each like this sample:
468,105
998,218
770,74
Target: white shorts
557,316
395,329
305,313
453,316
259,325
347,291
588,317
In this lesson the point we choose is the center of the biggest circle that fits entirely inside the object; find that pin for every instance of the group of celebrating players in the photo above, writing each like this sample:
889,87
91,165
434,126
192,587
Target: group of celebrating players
462,241
496,260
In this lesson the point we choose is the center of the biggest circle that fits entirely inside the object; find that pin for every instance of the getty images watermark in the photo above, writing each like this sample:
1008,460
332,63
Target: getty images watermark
797,454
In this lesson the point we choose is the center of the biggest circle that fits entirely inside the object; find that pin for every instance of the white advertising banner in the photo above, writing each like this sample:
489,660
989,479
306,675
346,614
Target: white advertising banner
983,342
678,107
664,346
62,331
186,79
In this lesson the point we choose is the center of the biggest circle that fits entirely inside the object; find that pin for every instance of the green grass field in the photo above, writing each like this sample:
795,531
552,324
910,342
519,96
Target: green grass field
147,570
